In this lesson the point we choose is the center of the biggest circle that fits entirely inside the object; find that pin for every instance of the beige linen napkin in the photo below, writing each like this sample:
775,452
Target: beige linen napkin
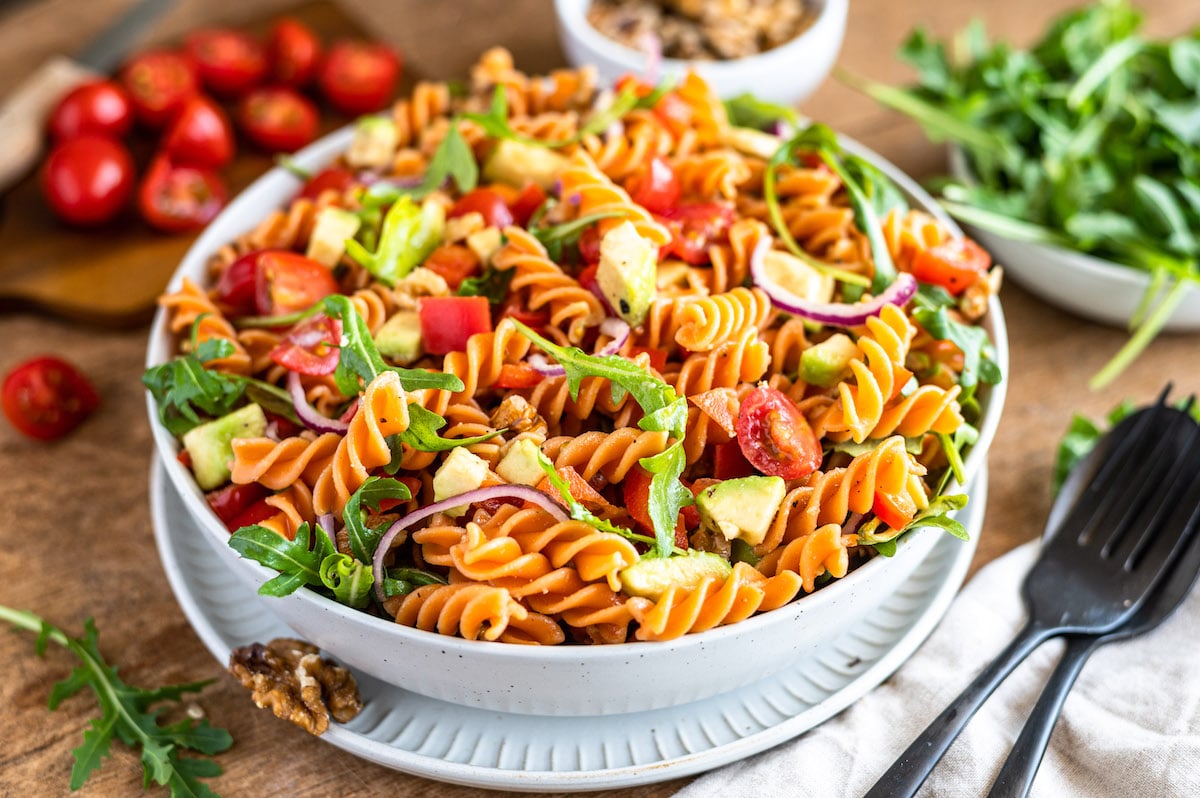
1131,726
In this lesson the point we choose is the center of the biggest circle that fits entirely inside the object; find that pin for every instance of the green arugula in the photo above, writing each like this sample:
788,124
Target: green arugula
746,110
453,160
979,364
409,233
874,532
126,713
298,561
362,539
423,426
348,579
492,284
402,581
580,513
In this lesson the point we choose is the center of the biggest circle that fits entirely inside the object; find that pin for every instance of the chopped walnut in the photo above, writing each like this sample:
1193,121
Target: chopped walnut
518,416
290,677
706,540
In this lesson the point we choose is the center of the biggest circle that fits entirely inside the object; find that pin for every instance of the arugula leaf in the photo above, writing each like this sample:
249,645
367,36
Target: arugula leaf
453,160
348,579
126,713
402,581
410,232
1081,437
580,513
183,388
421,434
364,541
492,284
746,110
668,495
298,561
979,364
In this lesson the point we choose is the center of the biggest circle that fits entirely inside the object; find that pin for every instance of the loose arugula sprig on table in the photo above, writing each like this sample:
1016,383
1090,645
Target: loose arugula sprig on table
1089,140
129,714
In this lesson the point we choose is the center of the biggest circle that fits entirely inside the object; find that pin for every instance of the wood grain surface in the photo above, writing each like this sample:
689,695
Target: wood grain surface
75,536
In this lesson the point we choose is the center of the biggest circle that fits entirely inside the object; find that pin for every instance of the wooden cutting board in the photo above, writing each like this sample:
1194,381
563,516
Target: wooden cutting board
112,275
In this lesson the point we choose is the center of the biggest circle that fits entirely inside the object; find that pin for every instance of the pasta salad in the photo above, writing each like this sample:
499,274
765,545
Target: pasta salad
541,363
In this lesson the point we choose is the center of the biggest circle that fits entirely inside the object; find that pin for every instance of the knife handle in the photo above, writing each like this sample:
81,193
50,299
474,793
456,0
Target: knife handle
24,112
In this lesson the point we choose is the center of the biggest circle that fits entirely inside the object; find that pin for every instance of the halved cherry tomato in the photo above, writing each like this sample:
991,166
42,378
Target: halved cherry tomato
200,135
159,82
518,375
232,500
230,62
236,287
729,462
775,437
447,322
278,119
655,186
358,77
88,180
98,108
488,203
954,264
178,199
694,226
287,282
895,510
658,357
454,262
332,178
46,397
515,309
312,347
294,52
280,427
527,202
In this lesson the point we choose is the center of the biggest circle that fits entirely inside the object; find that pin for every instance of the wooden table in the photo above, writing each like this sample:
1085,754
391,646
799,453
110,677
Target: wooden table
74,522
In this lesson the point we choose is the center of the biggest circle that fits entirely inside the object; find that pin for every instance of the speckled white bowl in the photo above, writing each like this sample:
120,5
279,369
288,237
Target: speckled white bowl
786,74
563,680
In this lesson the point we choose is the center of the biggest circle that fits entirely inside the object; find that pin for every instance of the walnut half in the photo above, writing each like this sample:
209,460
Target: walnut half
291,679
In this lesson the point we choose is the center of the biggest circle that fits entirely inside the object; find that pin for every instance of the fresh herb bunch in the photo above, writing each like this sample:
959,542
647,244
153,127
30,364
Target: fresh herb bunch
126,713
1089,140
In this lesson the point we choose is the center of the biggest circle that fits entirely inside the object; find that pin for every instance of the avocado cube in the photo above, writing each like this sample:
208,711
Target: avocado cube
374,144
651,577
461,473
330,231
521,464
400,337
627,272
741,508
794,275
823,364
210,445
518,164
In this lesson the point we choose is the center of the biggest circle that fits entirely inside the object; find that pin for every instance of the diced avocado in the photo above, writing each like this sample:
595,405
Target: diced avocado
484,243
400,337
517,164
741,508
627,272
789,272
650,577
461,472
330,231
210,445
374,143
824,363
520,465
752,142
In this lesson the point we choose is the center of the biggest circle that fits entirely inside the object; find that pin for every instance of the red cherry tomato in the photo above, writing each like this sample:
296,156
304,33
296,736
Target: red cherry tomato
294,52
287,282
694,226
46,397
487,203
159,82
229,62
236,288
98,108
231,501
527,202
775,437
953,265
535,319
178,199
447,322
896,511
333,178
358,77
200,135
311,347
454,263
278,119
88,180
518,375
655,186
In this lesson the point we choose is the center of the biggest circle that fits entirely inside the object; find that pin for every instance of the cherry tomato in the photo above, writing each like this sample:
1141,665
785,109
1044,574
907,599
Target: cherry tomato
729,462
454,263
358,77
488,203
278,119
178,199
231,501
311,347
954,264
46,397
236,288
333,178
694,226
448,322
518,375
159,82
98,108
230,62
526,204
287,282
775,437
88,180
655,187
294,52
200,135
895,510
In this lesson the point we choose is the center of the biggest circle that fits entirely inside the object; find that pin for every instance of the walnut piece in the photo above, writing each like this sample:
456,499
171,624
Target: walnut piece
292,679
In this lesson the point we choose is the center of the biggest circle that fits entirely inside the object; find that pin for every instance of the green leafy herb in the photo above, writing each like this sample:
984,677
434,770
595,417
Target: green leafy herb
410,232
746,110
183,388
298,561
349,580
363,540
402,581
578,511
453,160
129,714
559,236
423,426
668,495
873,532
492,284
979,364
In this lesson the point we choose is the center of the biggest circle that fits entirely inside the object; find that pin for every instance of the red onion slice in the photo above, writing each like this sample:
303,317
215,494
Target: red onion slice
307,413
523,492
614,328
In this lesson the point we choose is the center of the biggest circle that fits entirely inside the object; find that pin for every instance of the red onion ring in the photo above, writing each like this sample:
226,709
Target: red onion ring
307,413
614,328
523,492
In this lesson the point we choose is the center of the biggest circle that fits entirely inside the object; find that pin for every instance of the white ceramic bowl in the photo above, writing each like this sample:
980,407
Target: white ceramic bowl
786,74
1083,284
561,680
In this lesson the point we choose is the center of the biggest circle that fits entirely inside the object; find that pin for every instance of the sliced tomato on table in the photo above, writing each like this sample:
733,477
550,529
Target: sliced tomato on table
294,52
278,119
775,437
288,282
694,227
229,62
46,397
954,264
358,77
454,262
178,199
312,347
159,82
488,203
200,135
655,186
98,108
332,178
88,180
448,322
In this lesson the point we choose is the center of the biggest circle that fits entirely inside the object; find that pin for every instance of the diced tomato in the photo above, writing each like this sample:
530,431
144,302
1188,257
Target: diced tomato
254,514
515,309
589,247
729,462
895,510
721,406
312,347
333,178
47,397
954,264
526,203
185,459
454,263
518,375
287,282
673,112
447,322
655,186
231,501
236,287
282,427
636,492
579,489
488,203
658,357
694,226
775,437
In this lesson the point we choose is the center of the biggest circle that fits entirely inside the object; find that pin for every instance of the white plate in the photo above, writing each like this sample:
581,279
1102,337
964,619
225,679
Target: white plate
480,748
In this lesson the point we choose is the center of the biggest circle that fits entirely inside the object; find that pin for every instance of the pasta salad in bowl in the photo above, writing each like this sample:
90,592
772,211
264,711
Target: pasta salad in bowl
537,386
